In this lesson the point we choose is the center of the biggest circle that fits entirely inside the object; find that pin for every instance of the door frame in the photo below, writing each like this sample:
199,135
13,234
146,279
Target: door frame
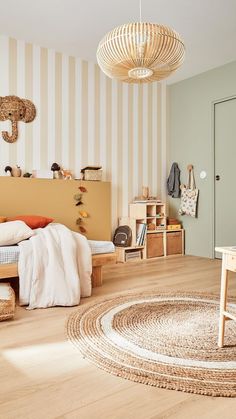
213,107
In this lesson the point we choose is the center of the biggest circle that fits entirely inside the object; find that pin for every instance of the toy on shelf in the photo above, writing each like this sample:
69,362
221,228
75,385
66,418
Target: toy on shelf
66,174
14,171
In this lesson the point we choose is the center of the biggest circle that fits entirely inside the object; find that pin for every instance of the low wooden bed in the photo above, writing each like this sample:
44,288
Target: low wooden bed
55,199
98,261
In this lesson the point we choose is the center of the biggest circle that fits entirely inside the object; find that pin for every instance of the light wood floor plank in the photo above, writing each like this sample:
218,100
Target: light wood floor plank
43,376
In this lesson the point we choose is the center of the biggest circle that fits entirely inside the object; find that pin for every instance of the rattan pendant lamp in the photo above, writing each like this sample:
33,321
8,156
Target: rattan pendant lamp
140,52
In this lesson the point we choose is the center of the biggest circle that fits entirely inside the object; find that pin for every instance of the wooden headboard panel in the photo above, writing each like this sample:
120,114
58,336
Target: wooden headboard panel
54,198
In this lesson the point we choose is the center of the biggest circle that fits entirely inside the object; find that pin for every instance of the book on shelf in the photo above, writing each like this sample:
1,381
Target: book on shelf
140,233
144,235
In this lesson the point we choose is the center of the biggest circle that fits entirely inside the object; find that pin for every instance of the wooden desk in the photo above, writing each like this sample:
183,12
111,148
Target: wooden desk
228,264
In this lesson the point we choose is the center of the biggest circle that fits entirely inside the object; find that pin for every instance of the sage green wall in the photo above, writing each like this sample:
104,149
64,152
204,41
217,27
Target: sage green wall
191,141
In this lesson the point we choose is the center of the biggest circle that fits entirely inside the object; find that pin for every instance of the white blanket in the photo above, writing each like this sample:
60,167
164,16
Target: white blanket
54,267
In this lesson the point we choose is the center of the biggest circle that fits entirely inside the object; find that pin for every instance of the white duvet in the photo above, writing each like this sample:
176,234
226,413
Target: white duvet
54,268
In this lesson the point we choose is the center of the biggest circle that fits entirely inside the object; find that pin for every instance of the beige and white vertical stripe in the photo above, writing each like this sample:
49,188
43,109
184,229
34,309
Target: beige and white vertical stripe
84,118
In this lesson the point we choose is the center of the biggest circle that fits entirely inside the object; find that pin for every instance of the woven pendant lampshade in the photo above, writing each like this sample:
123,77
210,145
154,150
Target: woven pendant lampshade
140,52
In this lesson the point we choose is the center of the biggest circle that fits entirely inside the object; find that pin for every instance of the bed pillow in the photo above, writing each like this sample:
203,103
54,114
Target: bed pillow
13,232
3,219
33,221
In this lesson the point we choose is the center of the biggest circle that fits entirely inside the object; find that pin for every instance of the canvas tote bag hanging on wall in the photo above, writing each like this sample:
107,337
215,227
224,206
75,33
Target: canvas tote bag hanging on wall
189,196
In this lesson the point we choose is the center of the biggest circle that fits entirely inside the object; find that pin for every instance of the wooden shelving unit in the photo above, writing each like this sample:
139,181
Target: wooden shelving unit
158,241
153,214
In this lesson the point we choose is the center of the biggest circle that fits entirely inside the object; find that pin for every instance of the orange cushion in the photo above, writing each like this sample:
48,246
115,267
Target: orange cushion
32,221
3,219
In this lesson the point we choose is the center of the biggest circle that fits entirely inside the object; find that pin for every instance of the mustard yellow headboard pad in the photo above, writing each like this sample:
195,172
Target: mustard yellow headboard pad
54,198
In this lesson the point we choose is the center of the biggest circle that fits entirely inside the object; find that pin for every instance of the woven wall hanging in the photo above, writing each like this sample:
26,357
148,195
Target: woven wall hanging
15,109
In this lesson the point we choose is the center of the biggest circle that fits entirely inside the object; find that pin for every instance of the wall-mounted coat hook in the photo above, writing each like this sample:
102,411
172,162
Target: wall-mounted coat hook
190,167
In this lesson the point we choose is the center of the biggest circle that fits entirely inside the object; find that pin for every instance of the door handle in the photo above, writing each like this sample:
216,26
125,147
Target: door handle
217,177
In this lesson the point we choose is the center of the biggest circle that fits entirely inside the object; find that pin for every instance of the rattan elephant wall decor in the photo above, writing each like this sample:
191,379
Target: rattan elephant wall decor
15,109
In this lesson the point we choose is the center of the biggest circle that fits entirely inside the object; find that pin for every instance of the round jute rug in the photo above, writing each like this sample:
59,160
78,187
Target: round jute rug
167,340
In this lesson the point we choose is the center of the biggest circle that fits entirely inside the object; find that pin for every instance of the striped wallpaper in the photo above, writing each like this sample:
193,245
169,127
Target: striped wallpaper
84,118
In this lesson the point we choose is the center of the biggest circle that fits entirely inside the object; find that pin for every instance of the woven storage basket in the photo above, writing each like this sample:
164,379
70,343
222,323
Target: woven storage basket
92,174
7,302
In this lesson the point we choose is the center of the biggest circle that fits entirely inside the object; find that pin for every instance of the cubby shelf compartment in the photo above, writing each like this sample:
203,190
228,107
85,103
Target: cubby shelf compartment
154,214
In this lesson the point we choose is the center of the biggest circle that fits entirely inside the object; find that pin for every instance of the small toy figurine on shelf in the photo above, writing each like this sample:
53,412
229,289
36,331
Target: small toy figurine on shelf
8,170
56,170
145,192
66,174
27,174
14,171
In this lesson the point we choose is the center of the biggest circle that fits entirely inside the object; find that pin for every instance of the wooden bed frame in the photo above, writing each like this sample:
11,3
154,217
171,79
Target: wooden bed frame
98,261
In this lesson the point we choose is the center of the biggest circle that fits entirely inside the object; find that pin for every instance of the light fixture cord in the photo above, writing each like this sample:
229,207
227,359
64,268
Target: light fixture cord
140,11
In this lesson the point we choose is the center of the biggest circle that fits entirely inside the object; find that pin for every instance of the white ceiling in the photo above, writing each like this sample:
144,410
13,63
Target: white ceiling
208,27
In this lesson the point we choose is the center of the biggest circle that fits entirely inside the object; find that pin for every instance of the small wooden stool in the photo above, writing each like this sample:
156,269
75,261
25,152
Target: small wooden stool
228,264
7,302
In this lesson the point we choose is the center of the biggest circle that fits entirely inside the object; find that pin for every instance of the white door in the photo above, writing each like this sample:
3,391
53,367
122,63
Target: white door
225,173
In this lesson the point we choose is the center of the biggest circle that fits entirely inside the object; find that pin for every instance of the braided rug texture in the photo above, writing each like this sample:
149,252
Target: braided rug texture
167,340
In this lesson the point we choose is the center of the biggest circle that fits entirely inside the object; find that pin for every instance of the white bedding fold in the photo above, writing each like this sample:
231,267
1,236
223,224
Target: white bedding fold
54,268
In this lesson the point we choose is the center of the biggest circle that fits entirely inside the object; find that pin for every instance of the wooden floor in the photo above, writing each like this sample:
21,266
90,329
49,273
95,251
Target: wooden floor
43,376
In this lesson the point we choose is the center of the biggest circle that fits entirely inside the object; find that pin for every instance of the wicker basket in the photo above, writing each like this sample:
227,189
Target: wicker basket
92,174
7,302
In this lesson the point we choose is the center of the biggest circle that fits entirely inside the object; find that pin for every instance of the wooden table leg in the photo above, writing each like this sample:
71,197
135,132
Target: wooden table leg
223,302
